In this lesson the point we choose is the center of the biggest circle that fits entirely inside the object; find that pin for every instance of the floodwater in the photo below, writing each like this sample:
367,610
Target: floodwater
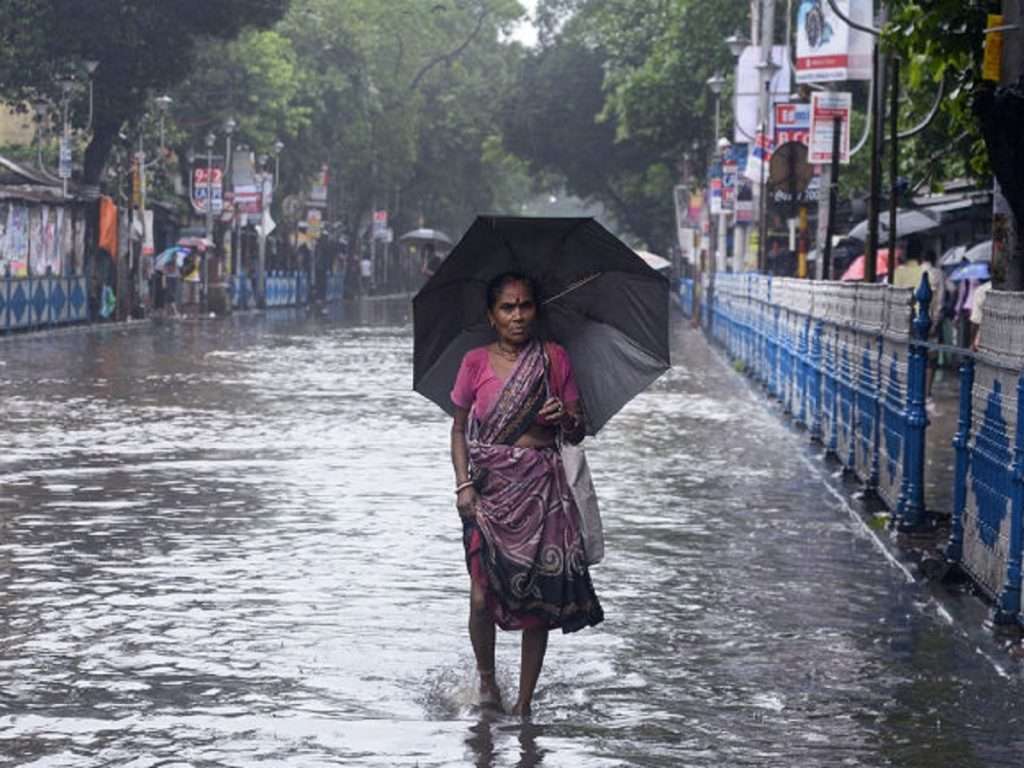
235,544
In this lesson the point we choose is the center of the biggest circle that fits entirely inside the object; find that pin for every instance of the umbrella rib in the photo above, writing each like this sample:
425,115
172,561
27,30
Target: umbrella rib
575,286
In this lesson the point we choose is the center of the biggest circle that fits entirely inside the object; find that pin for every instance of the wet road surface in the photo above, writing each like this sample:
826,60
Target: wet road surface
235,544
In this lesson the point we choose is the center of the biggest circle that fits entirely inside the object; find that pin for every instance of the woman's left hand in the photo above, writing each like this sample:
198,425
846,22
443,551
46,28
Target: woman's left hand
553,411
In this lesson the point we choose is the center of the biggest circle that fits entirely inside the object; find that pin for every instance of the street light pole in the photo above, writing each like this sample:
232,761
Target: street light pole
278,148
204,288
229,159
715,84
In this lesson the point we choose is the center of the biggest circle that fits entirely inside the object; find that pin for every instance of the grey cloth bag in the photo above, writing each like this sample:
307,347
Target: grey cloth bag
577,472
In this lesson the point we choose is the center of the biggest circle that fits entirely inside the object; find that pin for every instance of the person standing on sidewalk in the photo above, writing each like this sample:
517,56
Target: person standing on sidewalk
366,275
937,283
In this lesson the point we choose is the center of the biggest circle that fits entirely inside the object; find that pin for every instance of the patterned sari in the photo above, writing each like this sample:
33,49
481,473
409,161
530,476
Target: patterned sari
524,545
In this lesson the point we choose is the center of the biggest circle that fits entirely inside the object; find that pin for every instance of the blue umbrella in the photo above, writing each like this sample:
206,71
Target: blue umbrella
976,271
168,257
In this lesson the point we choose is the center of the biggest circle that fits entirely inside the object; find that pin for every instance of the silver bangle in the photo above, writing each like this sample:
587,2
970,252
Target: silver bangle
463,486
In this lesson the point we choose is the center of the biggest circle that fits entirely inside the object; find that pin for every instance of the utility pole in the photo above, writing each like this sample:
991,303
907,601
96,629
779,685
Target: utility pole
877,149
767,69
1005,222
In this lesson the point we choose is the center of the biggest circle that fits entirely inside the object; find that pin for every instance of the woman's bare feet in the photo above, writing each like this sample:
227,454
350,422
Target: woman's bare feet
521,710
490,693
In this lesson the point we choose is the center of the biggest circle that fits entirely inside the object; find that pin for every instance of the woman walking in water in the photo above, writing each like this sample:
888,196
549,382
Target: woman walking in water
515,399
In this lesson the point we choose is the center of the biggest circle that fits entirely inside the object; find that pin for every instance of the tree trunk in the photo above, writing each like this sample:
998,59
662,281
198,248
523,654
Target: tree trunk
1013,75
1001,112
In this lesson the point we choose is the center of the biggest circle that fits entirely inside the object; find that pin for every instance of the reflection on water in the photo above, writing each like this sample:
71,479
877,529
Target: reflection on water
235,543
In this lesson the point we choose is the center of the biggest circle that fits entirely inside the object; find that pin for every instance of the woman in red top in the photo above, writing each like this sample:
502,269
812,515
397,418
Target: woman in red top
513,399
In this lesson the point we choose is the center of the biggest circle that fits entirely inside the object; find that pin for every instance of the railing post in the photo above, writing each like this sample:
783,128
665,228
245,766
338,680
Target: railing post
816,380
1008,608
961,440
911,510
876,437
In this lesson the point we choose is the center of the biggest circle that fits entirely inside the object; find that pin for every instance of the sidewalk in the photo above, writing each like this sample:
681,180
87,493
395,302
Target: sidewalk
940,458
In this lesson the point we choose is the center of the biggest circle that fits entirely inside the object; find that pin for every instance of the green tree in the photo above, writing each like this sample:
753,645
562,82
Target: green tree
616,96
140,48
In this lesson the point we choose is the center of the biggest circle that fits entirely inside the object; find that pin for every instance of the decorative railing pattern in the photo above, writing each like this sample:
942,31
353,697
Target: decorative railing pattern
989,491
39,302
335,286
849,361
284,289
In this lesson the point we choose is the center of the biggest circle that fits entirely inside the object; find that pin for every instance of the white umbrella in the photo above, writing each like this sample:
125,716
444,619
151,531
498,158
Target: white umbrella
427,236
907,223
981,252
953,256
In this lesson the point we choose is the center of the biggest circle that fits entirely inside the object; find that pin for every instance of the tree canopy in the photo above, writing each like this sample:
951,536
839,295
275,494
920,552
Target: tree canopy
139,48
616,97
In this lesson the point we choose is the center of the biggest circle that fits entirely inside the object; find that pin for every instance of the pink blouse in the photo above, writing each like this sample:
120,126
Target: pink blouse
478,385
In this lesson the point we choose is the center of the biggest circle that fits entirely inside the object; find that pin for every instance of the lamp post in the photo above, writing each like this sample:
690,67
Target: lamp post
211,139
278,148
267,191
163,103
229,160
64,165
715,84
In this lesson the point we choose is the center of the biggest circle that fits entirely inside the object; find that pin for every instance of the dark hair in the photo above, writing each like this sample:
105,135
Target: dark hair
497,284
929,256
914,248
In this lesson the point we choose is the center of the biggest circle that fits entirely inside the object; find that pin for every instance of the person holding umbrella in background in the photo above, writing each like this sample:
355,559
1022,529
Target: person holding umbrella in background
532,334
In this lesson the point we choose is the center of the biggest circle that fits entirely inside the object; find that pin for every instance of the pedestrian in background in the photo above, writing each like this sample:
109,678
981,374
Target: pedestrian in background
936,313
366,275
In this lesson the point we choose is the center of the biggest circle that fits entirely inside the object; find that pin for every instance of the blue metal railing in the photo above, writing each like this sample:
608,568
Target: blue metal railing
284,289
686,296
849,362
28,303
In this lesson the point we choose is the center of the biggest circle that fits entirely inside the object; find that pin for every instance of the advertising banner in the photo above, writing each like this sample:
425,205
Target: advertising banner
792,123
827,48
318,190
760,158
681,199
826,106
696,208
314,223
730,172
202,184
715,189
245,185
380,224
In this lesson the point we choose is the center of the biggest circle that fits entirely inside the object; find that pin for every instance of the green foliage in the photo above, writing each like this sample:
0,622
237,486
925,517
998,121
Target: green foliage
942,40
616,96
140,47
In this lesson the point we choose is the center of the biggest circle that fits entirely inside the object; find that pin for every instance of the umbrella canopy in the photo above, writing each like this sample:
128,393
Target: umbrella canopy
856,269
599,300
907,223
169,257
426,236
654,261
973,271
953,256
195,242
981,252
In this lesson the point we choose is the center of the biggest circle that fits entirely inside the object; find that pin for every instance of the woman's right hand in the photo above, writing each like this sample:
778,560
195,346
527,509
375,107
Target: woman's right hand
467,501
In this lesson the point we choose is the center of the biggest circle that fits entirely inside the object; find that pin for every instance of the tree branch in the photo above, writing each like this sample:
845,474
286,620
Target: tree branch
450,56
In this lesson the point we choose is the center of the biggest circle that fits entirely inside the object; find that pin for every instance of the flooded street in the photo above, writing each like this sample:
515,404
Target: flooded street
235,543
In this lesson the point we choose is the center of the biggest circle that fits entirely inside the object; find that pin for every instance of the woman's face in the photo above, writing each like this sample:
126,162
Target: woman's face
513,313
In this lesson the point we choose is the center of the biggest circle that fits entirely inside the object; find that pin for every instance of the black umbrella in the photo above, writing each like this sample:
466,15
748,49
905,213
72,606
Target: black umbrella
599,300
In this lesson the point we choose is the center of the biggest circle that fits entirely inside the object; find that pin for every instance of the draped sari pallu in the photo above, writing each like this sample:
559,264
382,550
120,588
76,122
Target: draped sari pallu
524,546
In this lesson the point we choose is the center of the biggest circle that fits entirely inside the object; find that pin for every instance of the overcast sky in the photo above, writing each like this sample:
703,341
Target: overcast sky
526,33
